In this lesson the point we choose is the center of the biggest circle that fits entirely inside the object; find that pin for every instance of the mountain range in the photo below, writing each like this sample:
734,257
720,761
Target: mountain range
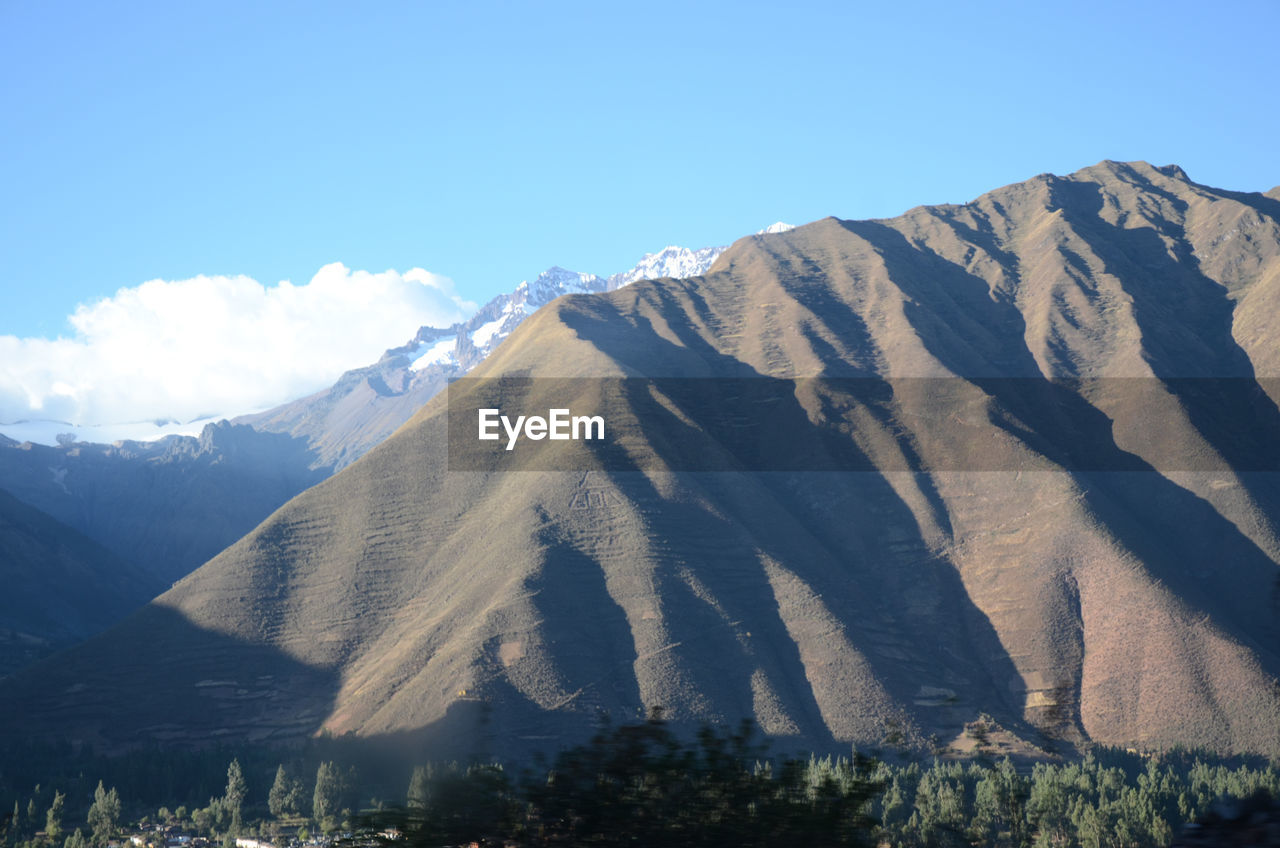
167,506
1132,601
368,404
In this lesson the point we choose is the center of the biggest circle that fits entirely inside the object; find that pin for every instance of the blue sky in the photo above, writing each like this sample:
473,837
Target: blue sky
485,142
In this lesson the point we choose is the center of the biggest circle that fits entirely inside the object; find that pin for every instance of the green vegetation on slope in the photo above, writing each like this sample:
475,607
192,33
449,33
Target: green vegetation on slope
636,784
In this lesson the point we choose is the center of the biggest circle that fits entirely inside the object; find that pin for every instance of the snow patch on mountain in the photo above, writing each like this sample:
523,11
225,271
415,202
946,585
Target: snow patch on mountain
437,352
486,332
774,229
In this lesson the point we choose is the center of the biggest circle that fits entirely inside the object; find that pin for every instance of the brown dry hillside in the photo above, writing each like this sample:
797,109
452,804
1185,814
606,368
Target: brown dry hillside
1136,607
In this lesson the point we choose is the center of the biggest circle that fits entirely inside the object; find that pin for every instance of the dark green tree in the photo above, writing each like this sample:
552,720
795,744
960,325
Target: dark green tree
999,807
53,818
1049,807
75,840
278,796
286,797
297,799
712,792
418,796
457,805
104,813
233,798
202,818
327,796
940,806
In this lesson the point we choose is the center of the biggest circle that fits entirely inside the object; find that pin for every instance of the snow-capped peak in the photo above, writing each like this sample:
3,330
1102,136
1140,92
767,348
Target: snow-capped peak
458,348
671,261
554,282
773,229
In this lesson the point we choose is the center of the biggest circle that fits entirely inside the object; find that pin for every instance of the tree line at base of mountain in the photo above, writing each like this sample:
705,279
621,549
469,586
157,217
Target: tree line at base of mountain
631,784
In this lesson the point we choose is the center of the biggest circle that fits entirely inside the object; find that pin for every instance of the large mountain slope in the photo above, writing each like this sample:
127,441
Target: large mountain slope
59,587
1136,607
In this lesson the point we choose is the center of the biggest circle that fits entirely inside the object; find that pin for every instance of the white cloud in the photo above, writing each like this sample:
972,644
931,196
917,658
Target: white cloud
222,345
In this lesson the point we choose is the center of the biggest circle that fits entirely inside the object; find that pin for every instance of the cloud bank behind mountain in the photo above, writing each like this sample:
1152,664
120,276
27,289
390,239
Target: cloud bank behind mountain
181,351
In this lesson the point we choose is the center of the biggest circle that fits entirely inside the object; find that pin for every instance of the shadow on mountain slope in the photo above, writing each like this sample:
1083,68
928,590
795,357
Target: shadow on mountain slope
1186,321
585,634
59,586
808,594
159,678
